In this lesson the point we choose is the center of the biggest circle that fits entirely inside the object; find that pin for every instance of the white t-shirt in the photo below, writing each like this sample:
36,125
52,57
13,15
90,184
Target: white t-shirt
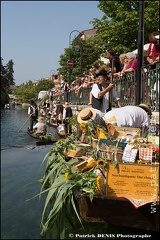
129,116
105,104
40,127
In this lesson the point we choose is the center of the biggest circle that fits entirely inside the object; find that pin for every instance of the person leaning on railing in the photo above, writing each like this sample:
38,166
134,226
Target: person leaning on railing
153,50
130,69
124,61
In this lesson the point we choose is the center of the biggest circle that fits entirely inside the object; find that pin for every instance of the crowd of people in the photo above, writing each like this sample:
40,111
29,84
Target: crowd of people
103,93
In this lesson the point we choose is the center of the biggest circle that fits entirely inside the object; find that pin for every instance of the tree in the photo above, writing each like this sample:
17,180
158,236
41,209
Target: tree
90,54
118,28
9,73
26,92
44,85
4,86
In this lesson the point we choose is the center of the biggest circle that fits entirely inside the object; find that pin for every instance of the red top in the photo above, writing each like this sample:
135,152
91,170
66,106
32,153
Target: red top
153,50
132,64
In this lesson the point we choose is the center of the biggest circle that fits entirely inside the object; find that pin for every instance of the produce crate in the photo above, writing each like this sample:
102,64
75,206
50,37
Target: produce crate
78,152
111,152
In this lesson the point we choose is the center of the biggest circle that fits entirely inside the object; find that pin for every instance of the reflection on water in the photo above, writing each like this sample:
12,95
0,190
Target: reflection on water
11,122
21,170
20,173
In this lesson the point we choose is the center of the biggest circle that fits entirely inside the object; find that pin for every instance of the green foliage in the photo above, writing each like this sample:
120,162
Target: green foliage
60,183
26,92
10,72
44,85
4,97
46,138
6,80
118,28
89,55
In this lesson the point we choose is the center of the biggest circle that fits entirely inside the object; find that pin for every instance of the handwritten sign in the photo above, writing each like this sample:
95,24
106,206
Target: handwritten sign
133,181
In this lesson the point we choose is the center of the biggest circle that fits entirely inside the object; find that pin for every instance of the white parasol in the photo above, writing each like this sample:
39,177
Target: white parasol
145,49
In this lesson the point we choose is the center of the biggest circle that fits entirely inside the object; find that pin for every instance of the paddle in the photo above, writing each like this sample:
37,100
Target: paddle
24,124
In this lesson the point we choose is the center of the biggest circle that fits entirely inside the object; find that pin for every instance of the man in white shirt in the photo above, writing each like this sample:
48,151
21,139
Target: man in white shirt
101,92
33,112
130,116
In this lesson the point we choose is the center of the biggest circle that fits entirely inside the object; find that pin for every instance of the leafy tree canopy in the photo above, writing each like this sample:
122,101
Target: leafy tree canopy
26,92
7,79
44,85
118,28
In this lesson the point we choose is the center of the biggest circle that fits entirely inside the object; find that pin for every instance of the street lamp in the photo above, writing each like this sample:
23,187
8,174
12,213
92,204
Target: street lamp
69,80
51,73
79,48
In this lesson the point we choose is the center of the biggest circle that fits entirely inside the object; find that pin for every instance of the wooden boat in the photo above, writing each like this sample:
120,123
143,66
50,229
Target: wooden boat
117,211
54,125
42,141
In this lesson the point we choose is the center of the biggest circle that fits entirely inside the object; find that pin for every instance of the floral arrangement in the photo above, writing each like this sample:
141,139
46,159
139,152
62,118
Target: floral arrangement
60,182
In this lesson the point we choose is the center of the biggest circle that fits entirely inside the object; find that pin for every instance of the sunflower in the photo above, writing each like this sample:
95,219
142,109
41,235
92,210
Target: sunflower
101,163
66,176
98,183
83,127
58,141
89,165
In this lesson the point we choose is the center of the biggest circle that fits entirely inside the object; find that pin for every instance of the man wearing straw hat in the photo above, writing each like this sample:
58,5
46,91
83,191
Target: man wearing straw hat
90,114
41,127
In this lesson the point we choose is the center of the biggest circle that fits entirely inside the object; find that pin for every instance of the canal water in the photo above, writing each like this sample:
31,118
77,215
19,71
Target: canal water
21,169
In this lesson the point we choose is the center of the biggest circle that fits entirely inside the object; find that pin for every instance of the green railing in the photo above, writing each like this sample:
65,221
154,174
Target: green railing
126,89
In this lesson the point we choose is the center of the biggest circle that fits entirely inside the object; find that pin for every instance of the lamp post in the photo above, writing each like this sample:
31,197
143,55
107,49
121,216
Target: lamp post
51,73
69,79
79,48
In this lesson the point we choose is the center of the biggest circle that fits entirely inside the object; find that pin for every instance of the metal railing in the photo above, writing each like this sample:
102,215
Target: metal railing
126,89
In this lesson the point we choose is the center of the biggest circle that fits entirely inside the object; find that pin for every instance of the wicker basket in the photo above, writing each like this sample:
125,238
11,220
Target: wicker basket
111,152
79,152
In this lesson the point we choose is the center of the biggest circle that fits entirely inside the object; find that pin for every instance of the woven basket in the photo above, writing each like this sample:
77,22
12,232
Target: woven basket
112,152
79,152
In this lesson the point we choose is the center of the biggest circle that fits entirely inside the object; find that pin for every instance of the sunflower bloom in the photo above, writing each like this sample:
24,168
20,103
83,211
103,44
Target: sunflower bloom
99,183
58,141
91,163
83,127
66,176
101,163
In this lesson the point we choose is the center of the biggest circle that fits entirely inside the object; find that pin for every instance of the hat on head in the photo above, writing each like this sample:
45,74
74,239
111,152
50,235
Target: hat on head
97,65
40,119
102,73
66,104
146,108
86,114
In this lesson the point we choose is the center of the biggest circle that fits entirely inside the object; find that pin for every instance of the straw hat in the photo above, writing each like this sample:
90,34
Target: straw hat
86,114
40,119
146,108
66,104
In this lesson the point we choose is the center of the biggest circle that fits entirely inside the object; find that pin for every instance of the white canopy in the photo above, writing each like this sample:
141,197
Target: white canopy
145,49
